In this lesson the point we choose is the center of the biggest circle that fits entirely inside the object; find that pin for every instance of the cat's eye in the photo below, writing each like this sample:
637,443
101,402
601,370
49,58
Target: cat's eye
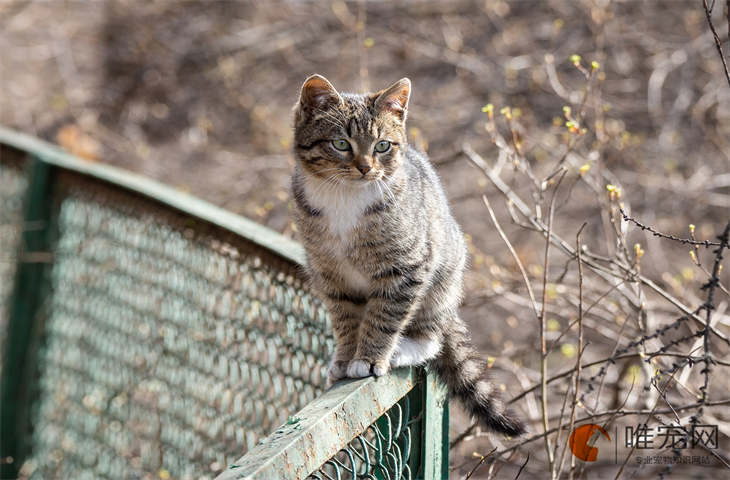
341,145
382,146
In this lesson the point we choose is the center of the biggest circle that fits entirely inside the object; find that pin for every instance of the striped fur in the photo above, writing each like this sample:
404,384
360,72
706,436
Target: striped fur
384,252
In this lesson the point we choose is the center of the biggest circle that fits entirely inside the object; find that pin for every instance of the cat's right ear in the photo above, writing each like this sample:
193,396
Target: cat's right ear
318,93
394,99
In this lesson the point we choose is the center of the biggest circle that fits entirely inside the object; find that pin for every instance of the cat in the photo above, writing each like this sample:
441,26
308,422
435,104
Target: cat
383,251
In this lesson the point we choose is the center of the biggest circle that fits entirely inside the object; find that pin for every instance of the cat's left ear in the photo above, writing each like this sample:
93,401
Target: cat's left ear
394,99
318,92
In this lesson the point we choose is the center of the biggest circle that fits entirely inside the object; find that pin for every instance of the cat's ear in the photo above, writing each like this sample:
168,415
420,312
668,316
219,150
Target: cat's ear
394,99
318,92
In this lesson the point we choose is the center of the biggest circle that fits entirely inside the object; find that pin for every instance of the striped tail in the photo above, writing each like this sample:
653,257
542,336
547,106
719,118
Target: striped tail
464,373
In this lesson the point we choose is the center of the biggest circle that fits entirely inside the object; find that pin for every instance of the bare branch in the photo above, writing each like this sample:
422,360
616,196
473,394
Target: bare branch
718,44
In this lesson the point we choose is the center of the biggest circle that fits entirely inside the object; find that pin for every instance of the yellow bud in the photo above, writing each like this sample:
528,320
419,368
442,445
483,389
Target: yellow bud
610,188
633,372
507,112
575,59
566,111
488,108
687,274
568,350
369,42
693,256
584,169
692,228
595,65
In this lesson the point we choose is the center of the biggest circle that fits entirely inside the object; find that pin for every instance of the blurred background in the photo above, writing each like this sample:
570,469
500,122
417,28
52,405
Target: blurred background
199,96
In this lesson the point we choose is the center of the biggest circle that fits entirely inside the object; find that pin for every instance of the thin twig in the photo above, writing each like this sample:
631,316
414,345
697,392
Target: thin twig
613,352
687,241
708,14
556,447
578,366
519,472
709,306
648,417
587,310
481,461
543,343
512,251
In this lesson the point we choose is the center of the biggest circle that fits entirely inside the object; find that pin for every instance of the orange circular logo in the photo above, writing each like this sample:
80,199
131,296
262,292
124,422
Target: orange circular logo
580,439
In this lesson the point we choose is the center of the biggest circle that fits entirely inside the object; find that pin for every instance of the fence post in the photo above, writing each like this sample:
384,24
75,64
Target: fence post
436,434
25,320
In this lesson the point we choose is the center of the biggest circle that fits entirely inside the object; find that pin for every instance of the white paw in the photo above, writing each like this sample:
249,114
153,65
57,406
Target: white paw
358,369
380,370
336,371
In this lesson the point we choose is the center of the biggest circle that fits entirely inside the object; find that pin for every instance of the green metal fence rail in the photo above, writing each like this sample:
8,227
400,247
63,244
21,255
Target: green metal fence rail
148,334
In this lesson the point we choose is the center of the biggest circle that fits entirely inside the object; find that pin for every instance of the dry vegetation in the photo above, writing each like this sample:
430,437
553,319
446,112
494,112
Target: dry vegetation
587,315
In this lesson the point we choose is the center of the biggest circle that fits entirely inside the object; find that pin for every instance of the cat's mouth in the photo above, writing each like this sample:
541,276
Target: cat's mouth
366,179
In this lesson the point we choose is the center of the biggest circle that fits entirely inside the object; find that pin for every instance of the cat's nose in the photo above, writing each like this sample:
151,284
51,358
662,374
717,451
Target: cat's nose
364,168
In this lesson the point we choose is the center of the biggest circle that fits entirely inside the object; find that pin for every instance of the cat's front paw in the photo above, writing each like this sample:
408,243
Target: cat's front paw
380,369
359,368
337,370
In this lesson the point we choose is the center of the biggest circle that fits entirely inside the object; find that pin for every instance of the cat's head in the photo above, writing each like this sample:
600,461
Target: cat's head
350,137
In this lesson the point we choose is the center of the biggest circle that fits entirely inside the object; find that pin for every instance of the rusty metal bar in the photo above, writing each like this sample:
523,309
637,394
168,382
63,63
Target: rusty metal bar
322,428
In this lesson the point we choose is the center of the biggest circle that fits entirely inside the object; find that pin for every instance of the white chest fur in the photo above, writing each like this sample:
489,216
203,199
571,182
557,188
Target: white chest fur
342,207
343,204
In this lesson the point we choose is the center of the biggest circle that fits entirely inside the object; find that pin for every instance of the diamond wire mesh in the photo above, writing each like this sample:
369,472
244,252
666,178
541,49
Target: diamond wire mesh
382,451
170,346
13,185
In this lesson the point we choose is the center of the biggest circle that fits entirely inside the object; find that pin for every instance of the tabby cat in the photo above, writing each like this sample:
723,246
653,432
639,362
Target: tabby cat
383,251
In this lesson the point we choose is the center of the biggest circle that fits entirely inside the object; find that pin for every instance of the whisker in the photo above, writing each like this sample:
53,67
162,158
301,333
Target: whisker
329,183
391,195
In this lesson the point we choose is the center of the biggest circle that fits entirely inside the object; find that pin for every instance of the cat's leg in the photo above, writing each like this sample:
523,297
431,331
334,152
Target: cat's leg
423,339
346,311
391,305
